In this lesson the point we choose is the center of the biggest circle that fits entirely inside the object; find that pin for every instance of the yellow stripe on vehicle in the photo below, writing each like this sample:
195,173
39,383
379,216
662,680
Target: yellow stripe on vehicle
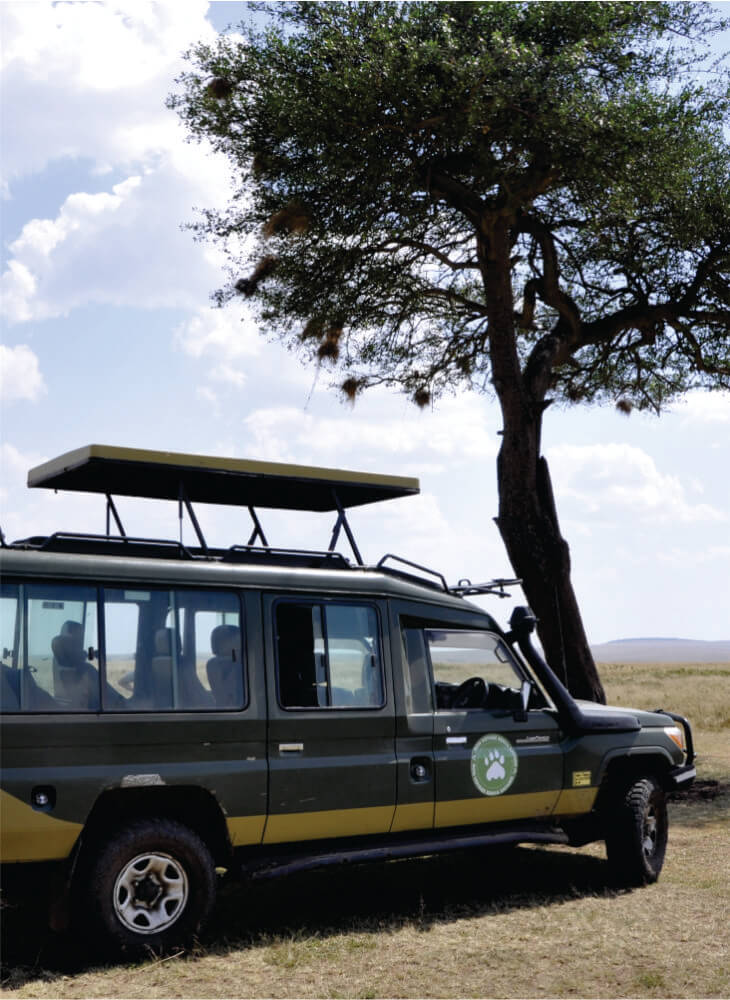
29,835
575,801
245,829
286,827
495,808
412,816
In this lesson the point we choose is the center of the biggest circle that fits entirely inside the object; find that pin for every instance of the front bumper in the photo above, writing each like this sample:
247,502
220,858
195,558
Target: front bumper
681,777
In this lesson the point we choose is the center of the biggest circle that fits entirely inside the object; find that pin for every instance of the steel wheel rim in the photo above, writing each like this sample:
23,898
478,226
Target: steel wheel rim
150,893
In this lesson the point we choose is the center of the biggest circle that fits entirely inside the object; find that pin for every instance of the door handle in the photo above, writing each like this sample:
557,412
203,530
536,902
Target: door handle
452,740
291,747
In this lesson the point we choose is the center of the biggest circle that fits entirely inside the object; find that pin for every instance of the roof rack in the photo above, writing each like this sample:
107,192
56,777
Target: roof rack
126,545
465,588
186,478
189,478
439,581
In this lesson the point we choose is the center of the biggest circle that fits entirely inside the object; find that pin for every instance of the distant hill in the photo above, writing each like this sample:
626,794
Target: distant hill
662,651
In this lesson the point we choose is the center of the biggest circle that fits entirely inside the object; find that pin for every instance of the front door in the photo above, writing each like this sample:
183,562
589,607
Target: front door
331,722
490,764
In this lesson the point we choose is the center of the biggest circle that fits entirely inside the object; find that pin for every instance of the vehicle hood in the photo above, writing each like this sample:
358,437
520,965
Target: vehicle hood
645,719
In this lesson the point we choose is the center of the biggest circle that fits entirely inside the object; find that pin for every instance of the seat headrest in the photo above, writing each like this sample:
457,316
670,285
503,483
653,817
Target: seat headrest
68,650
225,640
74,629
164,639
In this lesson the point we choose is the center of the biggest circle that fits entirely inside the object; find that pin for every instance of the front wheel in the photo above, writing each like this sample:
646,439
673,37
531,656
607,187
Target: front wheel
151,886
636,838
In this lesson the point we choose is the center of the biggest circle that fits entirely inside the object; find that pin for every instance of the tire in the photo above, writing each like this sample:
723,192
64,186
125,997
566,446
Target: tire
151,886
636,839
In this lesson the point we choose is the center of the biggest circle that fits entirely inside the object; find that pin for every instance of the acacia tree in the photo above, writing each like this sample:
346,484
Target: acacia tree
530,199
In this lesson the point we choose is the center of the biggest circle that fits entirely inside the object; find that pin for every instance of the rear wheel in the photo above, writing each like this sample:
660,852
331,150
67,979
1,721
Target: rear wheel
151,886
636,840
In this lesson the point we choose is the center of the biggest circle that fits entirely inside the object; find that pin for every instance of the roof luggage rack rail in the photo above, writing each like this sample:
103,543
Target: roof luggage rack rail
84,543
126,545
286,557
465,588
441,584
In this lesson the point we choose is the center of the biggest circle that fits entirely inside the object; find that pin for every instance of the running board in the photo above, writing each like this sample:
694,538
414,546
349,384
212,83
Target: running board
388,849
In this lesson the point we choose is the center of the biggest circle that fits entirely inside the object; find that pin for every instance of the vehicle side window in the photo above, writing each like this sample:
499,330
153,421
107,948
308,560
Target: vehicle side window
328,656
471,670
173,650
50,659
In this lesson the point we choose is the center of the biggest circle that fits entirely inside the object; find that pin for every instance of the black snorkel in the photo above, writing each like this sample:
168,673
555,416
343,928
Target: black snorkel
522,625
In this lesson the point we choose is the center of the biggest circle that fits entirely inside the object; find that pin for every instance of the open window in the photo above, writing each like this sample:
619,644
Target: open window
474,670
328,655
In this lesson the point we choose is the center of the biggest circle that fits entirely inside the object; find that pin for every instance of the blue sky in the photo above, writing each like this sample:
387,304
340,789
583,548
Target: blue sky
109,336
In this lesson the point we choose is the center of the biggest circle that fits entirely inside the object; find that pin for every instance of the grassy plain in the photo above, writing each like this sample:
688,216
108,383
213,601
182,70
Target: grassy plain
526,923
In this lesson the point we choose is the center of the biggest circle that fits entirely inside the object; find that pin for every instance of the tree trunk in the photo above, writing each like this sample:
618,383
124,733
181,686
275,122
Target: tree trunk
528,520
528,524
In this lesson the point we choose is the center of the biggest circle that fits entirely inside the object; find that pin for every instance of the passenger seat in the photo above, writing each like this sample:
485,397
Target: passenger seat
224,670
76,681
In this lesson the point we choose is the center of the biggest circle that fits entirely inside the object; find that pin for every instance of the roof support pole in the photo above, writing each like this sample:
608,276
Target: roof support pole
111,509
183,499
258,531
341,522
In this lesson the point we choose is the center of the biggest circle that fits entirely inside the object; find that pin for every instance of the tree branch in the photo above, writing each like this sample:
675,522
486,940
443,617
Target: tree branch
456,194
391,246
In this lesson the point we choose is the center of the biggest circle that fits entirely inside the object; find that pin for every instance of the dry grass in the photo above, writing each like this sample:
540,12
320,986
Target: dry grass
530,922
699,691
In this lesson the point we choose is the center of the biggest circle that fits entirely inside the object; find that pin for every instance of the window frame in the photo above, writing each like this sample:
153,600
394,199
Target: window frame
323,603
174,609
100,589
21,644
520,673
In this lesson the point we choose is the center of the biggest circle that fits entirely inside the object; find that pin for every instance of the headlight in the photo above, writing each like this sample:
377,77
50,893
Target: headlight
677,736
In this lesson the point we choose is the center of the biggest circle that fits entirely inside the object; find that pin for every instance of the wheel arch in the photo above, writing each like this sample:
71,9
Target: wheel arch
192,806
622,767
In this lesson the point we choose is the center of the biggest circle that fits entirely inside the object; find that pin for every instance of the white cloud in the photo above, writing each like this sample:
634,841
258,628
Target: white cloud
228,375
457,431
621,480
121,247
91,79
225,334
14,464
20,374
705,408
17,290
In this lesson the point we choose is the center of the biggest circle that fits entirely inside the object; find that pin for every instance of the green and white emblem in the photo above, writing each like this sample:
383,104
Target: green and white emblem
493,764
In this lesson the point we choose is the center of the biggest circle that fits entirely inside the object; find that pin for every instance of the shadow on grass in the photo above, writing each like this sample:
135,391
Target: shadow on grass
352,899
363,899
706,804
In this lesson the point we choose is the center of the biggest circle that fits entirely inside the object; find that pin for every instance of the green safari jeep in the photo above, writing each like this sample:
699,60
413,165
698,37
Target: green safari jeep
172,709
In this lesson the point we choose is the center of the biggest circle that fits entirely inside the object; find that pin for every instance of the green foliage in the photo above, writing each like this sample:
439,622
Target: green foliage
399,166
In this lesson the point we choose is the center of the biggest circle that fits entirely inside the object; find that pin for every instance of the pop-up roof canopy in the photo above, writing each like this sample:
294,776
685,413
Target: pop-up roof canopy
164,475
207,479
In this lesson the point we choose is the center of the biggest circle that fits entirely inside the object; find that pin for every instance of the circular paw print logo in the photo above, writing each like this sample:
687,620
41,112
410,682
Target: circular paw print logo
493,764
